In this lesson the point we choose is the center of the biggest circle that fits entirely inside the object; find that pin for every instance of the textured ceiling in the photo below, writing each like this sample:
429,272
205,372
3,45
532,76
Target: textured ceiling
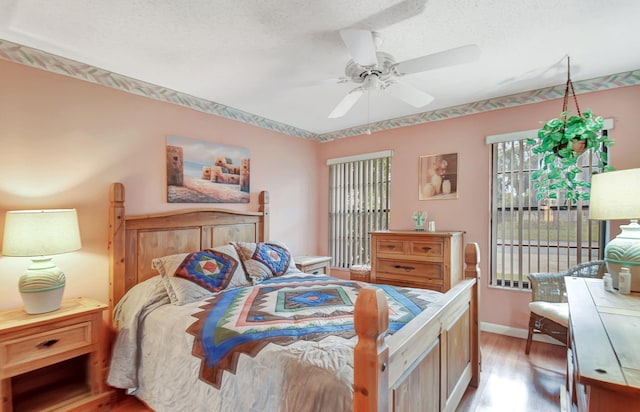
269,58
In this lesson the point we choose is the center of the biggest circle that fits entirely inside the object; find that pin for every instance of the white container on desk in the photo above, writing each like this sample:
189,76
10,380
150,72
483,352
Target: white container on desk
624,281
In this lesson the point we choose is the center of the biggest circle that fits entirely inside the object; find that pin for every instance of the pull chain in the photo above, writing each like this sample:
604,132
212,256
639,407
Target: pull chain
369,111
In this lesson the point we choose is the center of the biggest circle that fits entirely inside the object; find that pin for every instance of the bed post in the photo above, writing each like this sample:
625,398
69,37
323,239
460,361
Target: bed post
371,354
263,236
116,244
472,271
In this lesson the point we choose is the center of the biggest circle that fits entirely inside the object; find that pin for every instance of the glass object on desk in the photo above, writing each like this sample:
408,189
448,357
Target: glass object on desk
624,281
608,282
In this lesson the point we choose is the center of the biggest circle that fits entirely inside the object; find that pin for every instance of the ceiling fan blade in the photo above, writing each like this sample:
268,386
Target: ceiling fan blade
312,83
451,57
360,45
393,14
408,94
346,103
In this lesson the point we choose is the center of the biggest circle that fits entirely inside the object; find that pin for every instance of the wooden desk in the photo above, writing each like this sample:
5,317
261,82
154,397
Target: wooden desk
603,368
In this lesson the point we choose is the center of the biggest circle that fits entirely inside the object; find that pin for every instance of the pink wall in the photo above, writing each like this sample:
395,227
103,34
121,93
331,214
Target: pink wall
64,141
471,211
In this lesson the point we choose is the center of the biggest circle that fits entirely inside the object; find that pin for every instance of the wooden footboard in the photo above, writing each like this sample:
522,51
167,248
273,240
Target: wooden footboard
428,364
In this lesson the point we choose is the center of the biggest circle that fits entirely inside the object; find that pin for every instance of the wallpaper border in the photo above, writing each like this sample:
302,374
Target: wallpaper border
42,60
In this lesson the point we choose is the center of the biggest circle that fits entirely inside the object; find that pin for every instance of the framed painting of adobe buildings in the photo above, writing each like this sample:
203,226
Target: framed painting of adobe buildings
438,177
204,172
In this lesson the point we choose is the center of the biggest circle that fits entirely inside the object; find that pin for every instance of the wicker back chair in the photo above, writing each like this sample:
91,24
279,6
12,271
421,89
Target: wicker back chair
549,308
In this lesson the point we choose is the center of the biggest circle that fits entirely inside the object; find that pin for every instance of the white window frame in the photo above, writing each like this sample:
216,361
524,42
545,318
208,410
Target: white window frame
533,255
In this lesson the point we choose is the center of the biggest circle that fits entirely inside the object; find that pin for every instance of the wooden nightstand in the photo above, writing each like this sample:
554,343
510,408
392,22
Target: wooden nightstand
318,265
53,361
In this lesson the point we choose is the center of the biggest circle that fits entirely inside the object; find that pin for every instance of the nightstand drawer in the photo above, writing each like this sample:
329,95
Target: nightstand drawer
28,350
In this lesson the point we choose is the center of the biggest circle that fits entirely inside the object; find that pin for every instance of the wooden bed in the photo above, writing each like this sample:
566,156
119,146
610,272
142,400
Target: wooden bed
425,366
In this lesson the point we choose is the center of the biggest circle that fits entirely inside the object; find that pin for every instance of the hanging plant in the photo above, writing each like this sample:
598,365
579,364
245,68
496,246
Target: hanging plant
561,141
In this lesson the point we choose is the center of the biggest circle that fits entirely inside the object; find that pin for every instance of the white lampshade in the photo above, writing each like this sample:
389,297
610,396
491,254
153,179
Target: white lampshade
41,232
38,234
616,195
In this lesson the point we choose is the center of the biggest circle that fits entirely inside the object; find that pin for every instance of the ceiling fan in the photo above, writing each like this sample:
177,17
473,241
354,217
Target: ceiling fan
373,69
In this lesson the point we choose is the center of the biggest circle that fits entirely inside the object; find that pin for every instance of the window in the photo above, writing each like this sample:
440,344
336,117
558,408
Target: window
528,236
359,203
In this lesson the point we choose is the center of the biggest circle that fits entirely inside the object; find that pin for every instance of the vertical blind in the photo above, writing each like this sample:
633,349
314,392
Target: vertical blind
359,203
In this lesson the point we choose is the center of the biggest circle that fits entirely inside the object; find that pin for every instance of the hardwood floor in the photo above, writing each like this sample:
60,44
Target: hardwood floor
509,381
132,404
513,381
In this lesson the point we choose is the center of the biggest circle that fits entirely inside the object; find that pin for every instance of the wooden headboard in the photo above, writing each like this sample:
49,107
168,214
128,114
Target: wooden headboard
135,240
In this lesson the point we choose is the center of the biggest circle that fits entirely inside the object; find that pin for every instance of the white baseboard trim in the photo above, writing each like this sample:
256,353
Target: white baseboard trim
517,333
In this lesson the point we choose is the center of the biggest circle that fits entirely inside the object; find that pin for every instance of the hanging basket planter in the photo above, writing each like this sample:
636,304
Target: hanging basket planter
561,142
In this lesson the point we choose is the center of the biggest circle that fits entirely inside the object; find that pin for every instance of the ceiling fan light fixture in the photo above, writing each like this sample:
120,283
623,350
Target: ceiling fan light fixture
372,81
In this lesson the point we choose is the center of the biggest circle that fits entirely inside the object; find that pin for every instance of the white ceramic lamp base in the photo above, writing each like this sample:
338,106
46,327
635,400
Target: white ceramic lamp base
42,302
624,250
42,286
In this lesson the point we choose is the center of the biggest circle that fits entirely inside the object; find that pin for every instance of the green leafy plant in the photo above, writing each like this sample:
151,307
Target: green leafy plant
561,142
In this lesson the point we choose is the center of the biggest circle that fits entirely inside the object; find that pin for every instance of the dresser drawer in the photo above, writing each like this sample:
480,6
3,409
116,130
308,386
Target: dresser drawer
433,249
410,268
410,282
390,247
31,349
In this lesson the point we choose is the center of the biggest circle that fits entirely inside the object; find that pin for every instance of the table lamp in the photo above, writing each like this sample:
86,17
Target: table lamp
38,234
615,195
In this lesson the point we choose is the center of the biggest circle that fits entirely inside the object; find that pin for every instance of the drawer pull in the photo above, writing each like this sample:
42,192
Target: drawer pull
390,246
426,249
47,344
407,268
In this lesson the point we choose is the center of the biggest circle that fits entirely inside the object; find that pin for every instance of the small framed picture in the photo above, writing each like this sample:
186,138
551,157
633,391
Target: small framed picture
438,177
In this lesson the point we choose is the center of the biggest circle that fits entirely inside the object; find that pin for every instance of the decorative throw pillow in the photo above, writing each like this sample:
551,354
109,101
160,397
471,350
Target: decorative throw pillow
189,277
209,269
265,259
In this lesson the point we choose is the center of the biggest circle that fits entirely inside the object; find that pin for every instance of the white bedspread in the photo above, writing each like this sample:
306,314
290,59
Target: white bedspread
303,377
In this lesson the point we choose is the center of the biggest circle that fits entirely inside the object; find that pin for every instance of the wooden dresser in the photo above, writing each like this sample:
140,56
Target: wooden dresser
603,362
429,260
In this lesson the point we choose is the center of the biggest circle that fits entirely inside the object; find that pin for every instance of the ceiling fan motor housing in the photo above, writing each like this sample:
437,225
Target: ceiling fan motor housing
382,70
